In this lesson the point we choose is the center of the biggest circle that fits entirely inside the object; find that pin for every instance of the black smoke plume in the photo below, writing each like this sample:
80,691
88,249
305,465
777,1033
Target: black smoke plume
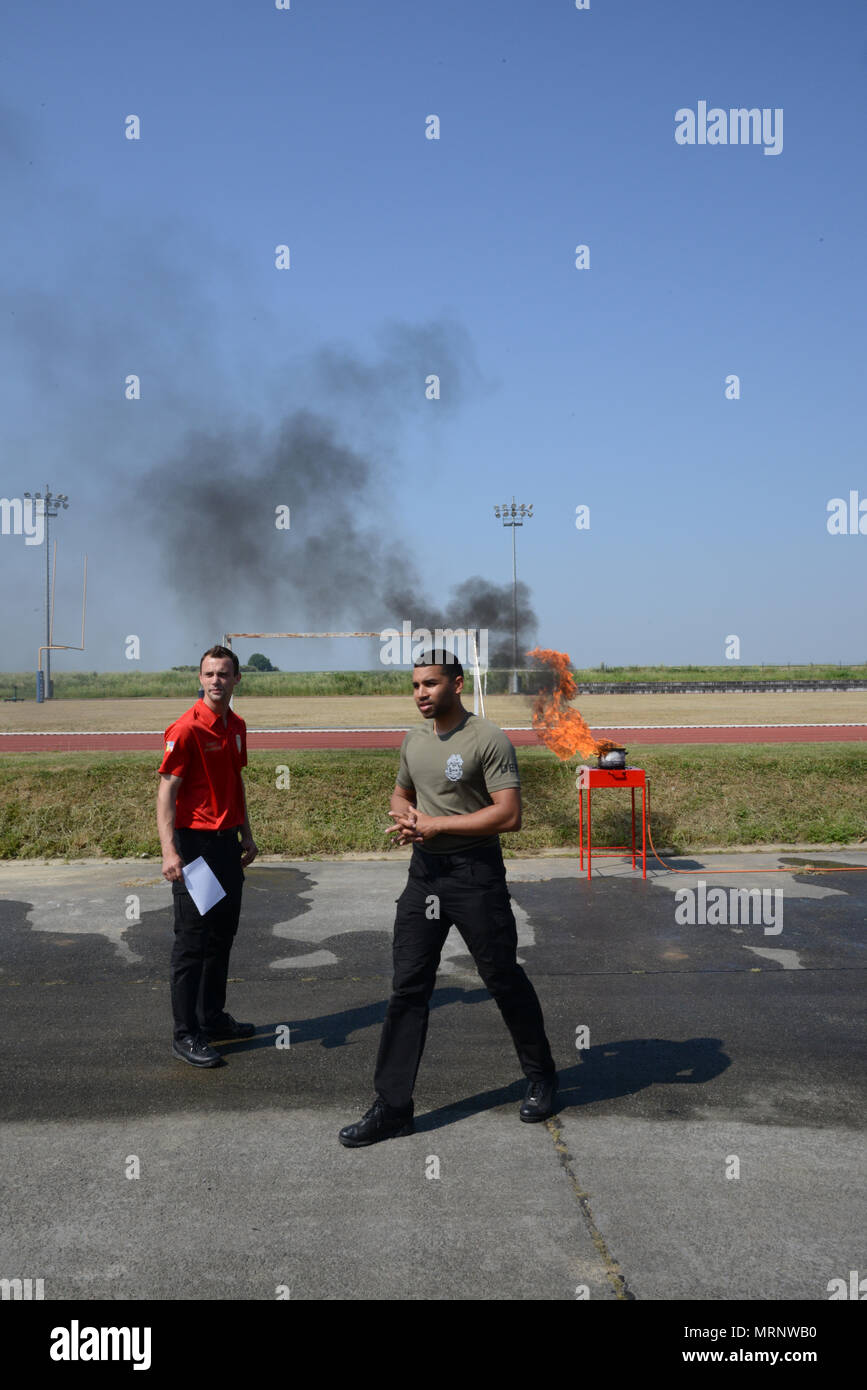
479,603
212,505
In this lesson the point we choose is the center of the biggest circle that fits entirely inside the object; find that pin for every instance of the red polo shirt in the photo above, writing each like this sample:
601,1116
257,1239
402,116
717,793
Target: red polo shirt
208,755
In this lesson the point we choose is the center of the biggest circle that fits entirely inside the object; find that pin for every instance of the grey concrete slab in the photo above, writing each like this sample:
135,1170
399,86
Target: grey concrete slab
234,1205
703,1041
716,1209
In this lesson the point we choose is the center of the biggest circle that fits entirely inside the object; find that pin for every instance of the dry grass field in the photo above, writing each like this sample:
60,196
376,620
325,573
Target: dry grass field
85,804
388,711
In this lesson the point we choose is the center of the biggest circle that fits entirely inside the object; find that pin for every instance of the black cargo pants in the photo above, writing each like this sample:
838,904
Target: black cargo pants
468,890
200,957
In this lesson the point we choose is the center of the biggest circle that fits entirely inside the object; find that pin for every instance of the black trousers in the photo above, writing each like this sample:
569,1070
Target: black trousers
468,890
200,957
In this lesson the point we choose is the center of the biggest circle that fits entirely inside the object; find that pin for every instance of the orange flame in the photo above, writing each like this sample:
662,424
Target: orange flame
562,728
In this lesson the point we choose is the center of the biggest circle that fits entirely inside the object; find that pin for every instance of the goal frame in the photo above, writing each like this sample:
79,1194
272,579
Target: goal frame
480,678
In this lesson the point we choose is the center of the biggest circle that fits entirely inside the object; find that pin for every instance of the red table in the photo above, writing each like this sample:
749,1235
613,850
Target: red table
631,777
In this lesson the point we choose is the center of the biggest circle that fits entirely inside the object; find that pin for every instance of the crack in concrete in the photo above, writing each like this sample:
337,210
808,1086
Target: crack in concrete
615,1277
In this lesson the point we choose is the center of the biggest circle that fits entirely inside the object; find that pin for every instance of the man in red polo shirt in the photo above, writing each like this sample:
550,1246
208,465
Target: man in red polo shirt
202,810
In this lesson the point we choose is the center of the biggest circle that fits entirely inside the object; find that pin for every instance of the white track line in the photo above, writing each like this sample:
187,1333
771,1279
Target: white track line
402,729
861,725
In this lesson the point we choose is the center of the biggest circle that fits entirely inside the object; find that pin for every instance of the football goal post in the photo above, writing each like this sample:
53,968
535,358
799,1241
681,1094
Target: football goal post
467,636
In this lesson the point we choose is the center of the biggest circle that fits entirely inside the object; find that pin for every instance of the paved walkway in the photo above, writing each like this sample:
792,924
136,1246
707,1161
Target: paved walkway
709,1141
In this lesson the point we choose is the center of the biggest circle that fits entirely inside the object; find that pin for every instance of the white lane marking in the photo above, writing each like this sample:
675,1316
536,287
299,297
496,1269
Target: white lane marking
69,918
789,960
603,727
311,961
401,729
375,895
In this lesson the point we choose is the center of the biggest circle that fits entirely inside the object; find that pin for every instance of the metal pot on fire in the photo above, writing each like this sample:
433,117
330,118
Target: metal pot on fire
614,758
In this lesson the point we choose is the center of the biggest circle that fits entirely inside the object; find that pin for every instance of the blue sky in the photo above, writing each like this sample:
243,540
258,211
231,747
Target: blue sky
455,256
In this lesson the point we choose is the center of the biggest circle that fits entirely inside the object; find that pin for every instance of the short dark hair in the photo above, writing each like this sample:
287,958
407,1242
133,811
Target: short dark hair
451,667
218,652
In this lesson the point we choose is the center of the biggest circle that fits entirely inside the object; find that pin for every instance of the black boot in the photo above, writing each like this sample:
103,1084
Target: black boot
539,1100
195,1050
380,1122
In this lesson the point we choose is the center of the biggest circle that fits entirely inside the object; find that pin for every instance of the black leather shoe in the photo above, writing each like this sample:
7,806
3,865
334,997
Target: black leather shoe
539,1100
380,1122
228,1030
195,1050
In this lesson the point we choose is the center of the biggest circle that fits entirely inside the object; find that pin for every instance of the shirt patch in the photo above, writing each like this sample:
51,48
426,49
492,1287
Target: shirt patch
170,745
238,741
455,768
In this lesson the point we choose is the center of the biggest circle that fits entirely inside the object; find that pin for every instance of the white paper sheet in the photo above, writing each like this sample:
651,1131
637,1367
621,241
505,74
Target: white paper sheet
203,885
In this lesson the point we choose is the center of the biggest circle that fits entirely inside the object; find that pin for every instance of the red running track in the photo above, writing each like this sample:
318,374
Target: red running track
287,739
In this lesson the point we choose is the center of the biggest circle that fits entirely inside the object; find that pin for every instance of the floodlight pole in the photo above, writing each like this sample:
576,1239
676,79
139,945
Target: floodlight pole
60,646
509,515
49,500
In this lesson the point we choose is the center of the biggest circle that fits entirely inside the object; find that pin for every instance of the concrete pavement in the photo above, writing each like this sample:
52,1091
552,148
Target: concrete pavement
709,1140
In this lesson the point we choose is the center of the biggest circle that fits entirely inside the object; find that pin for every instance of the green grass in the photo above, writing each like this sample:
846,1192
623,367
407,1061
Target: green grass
75,805
729,672
131,684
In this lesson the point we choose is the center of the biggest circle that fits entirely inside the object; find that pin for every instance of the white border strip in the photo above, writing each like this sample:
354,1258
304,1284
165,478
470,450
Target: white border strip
400,729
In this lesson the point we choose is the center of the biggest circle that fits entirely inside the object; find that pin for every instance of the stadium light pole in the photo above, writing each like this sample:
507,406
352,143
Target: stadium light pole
508,515
51,500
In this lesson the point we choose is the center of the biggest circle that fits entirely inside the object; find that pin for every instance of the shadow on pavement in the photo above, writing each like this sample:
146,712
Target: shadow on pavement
332,1030
605,1073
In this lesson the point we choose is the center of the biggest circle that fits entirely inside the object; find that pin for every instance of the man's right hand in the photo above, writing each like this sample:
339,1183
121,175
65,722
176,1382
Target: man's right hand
173,867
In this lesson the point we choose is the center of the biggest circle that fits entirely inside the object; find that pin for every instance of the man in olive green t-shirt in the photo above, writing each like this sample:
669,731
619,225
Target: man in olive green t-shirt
457,789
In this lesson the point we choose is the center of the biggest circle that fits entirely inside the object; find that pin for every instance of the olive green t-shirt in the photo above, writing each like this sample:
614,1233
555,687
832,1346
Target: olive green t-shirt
453,774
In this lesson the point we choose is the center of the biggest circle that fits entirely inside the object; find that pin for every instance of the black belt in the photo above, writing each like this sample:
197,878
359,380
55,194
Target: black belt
454,857
193,830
